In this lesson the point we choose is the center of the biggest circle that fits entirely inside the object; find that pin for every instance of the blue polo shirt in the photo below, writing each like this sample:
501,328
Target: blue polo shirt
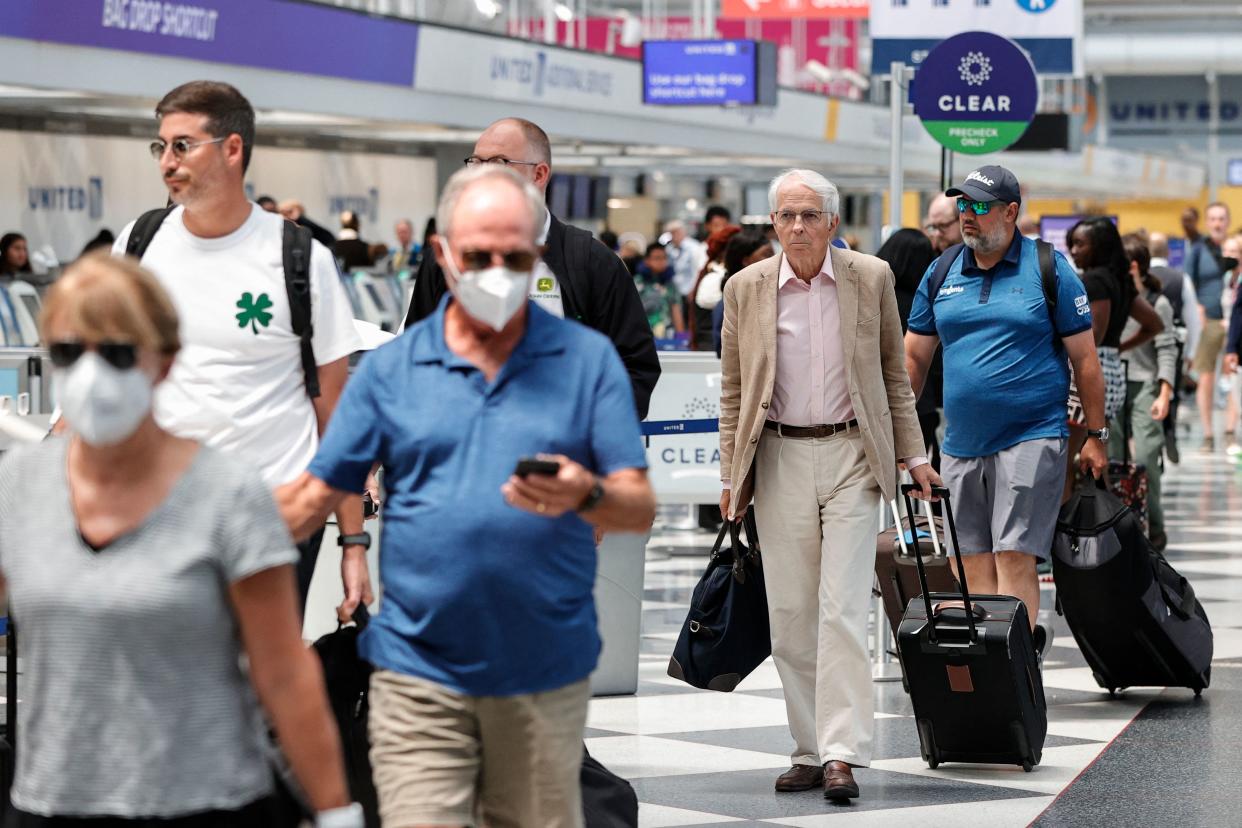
1005,379
479,596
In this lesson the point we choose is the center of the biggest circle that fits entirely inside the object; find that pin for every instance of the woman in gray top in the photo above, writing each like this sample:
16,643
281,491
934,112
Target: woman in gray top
1151,367
141,568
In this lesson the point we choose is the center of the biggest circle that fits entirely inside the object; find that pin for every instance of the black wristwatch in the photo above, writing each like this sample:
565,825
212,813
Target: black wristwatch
362,539
593,497
1100,434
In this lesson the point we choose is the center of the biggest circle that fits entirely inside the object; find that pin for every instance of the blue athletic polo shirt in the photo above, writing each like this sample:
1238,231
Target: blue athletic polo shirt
1005,379
479,596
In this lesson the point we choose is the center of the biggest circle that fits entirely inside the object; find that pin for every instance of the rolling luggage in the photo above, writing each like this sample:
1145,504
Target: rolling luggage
1136,620
895,569
970,665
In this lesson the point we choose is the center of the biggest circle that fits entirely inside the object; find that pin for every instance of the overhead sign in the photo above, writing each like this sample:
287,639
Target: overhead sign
907,30
976,93
307,38
797,9
709,72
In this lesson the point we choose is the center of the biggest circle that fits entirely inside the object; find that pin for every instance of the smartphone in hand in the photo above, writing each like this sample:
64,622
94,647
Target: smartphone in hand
534,465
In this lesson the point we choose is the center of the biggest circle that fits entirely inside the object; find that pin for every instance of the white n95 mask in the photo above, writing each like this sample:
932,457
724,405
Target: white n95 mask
104,405
493,296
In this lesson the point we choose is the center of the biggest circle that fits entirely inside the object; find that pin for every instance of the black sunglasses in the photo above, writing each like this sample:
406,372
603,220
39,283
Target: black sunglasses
120,355
522,261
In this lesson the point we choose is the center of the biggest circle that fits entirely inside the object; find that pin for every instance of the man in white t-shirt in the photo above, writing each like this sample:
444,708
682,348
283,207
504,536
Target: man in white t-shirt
238,383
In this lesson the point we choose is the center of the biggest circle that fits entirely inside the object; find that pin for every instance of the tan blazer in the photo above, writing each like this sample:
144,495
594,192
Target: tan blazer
872,343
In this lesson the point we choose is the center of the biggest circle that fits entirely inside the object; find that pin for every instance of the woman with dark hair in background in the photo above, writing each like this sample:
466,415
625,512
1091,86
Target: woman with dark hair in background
1097,251
14,255
743,250
708,291
910,253
103,241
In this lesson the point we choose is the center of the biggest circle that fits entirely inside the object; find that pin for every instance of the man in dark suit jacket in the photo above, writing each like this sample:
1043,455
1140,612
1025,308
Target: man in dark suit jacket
583,279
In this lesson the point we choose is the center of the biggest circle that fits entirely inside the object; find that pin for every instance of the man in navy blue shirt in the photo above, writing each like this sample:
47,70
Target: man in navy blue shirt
1005,387
487,632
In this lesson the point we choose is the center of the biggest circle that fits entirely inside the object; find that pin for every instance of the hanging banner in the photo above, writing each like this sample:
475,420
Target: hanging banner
907,30
796,9
976,93
308,38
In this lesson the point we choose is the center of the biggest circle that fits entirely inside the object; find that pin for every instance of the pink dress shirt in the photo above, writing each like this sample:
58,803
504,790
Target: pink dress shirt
812,381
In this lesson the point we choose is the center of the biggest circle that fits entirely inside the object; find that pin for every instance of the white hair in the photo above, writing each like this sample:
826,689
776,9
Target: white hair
464,179
822,187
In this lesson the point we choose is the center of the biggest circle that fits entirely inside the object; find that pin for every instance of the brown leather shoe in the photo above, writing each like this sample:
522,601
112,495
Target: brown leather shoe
800,778
839,781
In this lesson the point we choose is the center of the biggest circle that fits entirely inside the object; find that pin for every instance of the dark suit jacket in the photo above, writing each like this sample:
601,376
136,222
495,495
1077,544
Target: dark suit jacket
353,253
601,295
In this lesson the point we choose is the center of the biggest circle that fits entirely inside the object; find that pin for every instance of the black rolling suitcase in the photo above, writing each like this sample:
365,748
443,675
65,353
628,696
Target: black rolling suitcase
1136,620
970,665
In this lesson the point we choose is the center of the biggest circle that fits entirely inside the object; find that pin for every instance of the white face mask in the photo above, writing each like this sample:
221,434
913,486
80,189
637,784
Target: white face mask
492,296
104,405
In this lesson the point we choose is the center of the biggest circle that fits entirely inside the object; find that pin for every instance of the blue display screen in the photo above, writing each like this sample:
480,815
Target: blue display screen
10,383
703,72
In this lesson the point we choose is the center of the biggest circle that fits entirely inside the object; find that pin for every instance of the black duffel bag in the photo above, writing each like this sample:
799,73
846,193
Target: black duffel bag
725,635
347,679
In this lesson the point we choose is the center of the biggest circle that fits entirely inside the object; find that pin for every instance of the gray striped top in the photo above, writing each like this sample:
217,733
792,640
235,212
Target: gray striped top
134,697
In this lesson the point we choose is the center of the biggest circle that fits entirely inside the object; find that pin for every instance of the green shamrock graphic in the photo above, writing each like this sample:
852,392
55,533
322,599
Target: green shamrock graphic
254,310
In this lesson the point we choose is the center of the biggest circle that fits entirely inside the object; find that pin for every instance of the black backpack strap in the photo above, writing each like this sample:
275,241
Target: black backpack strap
1048,278
144,230
296,254
943,264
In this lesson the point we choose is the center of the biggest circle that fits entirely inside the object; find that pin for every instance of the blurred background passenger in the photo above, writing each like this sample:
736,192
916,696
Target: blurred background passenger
103,241
14,256
657,289
708,290
910,253
742,251
293,210
716,219
1152,367
350,250
405,253
150,566
267,203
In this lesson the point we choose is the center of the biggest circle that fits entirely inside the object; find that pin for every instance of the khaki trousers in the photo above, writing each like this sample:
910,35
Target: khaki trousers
816,505
442,758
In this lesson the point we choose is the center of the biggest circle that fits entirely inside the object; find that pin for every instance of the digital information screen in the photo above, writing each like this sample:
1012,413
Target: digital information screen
709,73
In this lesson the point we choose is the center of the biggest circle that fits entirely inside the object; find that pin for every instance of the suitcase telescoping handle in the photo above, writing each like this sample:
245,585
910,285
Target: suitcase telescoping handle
943,494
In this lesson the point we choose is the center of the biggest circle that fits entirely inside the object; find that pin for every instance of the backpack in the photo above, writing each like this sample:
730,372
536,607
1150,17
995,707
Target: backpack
296,256
1047,277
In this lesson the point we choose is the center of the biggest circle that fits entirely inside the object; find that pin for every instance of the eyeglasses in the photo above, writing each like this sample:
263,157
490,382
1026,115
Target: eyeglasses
475,160
120,355
522,261
933,227
810,218
979,208
180,147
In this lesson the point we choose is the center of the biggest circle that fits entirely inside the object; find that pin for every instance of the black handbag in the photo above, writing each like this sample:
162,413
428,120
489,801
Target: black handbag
726,634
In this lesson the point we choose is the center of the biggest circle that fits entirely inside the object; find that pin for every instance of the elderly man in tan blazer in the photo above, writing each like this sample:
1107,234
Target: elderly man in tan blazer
815,412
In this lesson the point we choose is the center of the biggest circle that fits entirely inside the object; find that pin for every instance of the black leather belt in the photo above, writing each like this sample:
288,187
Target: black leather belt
807,432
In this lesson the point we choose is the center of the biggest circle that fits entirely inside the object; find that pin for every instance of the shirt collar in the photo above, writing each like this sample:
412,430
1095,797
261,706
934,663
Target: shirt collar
542,337
1012,256
547,227
787,271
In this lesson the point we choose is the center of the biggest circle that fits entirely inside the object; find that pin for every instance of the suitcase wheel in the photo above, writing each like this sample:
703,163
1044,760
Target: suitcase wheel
932,763
1198,692
1027,765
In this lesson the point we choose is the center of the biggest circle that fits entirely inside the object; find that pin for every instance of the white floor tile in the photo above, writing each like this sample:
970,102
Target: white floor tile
996,813
662,816
638,757
1099,721
684,713
1059,767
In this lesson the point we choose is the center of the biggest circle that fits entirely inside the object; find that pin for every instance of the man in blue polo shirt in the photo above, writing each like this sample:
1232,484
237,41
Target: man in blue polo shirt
1005,387
487,632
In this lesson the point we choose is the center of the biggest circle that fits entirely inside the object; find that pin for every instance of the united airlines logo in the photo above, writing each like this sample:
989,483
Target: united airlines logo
365,206
543,75
1036,6
68,198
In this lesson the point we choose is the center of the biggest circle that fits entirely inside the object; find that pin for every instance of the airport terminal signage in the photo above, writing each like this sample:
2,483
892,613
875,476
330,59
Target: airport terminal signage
796,9
269,34
907,30
976,93
709,73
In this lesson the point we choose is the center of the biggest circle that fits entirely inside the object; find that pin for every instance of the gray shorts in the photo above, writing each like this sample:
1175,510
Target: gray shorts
1008,501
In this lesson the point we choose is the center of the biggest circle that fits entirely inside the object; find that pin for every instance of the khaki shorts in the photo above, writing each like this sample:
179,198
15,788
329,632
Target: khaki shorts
1211,343
441,758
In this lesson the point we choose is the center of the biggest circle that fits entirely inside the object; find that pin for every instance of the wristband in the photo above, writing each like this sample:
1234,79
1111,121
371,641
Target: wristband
350,816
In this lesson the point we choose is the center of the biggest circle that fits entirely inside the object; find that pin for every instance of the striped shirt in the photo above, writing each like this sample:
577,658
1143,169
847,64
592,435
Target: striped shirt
134,697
